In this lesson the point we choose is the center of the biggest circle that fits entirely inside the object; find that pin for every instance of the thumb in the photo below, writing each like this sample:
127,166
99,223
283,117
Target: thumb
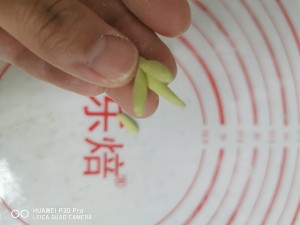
68,35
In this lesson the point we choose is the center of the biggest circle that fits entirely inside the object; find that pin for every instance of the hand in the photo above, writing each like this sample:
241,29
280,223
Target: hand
90,46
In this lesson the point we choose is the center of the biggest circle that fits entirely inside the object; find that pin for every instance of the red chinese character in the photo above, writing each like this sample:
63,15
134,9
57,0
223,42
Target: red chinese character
105,165
112,164
108,143
103,111
92,169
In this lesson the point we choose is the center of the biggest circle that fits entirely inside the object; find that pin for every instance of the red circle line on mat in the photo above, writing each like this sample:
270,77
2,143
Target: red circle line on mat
202,157
228,187
10,210
260,192
273,57
4,70
206,196
277,187
290,23
245,189
210,77
265,83
296,214
196,177
288,59
244,192
294,178
226,70
239,58
199,97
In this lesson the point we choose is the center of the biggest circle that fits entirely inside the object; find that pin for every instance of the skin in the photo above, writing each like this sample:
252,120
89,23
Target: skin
90,46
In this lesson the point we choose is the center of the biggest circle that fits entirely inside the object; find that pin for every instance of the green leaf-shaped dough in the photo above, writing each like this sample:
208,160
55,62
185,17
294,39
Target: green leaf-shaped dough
156,70
140,93
164,91
128,122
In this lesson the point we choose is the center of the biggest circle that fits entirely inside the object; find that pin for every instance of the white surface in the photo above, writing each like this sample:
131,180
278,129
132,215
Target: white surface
171,162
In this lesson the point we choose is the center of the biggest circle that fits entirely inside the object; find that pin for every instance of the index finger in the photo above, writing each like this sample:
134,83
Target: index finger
167,17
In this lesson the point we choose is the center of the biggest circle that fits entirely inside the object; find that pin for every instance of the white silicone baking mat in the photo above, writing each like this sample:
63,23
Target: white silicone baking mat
230,157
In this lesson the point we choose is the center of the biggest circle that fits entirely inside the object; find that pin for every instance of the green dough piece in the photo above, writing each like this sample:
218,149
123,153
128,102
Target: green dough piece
128,122
140,93
156,70
164,91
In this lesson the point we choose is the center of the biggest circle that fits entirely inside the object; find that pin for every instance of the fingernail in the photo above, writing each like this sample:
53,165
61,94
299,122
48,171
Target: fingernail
115,59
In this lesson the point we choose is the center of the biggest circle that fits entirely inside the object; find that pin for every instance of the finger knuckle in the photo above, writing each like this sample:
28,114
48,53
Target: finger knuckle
54,23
